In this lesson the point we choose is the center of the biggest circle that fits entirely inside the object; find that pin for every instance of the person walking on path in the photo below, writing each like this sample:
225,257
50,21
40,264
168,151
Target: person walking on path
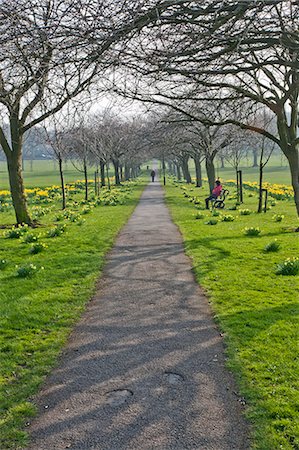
153,174
144,369
215,193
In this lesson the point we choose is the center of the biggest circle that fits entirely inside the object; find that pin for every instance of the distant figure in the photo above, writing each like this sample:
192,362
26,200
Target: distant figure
215,193
153,174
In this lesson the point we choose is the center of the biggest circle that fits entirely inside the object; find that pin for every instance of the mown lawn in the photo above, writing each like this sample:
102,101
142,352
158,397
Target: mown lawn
256,308
37,312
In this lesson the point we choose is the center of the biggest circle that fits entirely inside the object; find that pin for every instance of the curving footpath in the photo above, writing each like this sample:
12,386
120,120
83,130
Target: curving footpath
145,367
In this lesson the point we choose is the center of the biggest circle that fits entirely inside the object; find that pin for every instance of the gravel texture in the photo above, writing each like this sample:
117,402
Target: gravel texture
145,366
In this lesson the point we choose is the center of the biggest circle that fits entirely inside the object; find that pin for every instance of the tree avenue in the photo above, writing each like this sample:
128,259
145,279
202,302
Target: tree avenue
242,55
232,57
51,52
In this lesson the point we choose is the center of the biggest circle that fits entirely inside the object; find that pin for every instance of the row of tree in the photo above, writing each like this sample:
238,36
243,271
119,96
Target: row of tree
219,65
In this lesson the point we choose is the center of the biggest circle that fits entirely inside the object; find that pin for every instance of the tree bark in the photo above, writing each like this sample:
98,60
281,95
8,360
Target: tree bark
116,171
102,170
255,164
293,159
260,204
62,181
178,169
185,169
198,171
14,165
210,168
86,179
108,179
121,170
127,172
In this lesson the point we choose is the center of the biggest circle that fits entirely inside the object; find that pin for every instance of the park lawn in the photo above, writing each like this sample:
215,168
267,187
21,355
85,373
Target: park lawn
276,171
38,312
256,309
45,173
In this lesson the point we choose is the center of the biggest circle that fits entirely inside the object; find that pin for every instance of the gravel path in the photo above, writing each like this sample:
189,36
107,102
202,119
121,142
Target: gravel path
145,367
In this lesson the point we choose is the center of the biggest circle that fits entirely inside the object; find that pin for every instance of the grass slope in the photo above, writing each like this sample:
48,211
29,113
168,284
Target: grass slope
37,312
256,309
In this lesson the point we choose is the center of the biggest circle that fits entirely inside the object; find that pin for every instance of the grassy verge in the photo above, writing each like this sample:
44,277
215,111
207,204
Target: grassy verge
38,310
256,308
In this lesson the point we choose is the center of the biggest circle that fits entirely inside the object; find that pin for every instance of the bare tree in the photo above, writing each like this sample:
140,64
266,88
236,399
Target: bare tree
51,52
241,53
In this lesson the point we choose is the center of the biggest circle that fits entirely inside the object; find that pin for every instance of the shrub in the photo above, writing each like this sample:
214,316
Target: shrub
57,231
227,218
289,267
3,264
37,248
26,271
278,217
252,231
245,212
273,246
212,222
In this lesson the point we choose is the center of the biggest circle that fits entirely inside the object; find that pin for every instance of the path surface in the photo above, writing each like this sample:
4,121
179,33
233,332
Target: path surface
144,368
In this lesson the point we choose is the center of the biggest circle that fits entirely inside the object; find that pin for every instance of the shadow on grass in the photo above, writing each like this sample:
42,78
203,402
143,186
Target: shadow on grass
247,324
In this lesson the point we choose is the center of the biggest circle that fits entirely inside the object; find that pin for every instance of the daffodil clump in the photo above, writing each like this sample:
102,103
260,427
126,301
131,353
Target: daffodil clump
252,231
278,191
288,267
28,270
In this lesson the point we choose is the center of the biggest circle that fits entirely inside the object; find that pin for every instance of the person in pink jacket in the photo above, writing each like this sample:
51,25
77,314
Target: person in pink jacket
215,193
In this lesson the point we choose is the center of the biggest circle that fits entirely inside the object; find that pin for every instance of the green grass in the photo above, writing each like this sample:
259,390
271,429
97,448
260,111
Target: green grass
256,308
38,312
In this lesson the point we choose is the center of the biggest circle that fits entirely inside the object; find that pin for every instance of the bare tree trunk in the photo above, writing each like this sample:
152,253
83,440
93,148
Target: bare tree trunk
185,169
108,179
178,169
86,179
222,162
198,171
260,204
255,164
116,171
14,165
293,159
121,169
62,181
102,170
127,172
210,168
